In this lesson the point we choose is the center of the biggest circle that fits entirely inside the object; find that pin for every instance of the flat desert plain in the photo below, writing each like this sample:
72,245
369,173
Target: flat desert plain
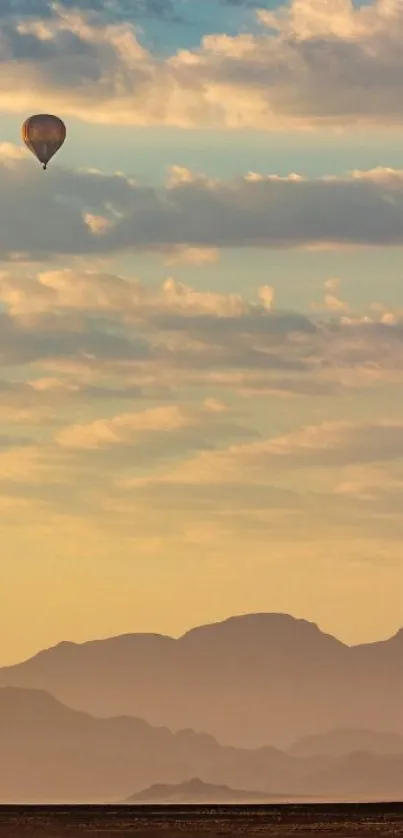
175,821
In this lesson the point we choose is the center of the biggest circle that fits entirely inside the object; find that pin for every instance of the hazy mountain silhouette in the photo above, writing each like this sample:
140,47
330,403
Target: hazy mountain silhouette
250,680
195,791
360,776
50,753
342,742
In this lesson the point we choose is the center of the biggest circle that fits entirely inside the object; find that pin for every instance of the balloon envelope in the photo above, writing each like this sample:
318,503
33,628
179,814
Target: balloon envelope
44,134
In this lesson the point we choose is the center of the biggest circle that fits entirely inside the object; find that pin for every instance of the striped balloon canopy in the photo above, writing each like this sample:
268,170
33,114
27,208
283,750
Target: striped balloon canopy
44,134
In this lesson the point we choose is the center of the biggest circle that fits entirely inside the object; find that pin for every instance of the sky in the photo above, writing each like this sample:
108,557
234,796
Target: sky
201,311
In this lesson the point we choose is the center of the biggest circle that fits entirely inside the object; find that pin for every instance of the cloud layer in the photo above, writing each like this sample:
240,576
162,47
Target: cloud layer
311,64
100,319
165,424
86,212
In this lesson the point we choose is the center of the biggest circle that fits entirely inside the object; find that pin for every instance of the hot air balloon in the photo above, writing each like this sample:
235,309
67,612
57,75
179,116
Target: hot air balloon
44,135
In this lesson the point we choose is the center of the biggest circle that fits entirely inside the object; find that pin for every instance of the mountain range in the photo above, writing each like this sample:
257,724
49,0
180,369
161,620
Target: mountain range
346,741
53,754
249,681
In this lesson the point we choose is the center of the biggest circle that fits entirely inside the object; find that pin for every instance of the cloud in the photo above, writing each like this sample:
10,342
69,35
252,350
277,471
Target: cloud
332,284
100,293
39,402
119,10
113,337
82,212
129,427
195,256
75,468
335,480
254,490
151,339
310,64
115,381
334,303
332,444
266,296
21,344
7,442
123,391
332,300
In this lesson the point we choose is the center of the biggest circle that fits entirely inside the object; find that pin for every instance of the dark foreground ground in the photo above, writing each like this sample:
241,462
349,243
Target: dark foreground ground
201,821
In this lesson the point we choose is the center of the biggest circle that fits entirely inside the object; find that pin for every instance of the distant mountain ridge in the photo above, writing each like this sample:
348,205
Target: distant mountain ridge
52,754
248,681
343,742
195,791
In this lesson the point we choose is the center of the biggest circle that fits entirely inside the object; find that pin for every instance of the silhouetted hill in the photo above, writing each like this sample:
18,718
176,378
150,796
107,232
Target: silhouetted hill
250,680
195,791
342,742
50,753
